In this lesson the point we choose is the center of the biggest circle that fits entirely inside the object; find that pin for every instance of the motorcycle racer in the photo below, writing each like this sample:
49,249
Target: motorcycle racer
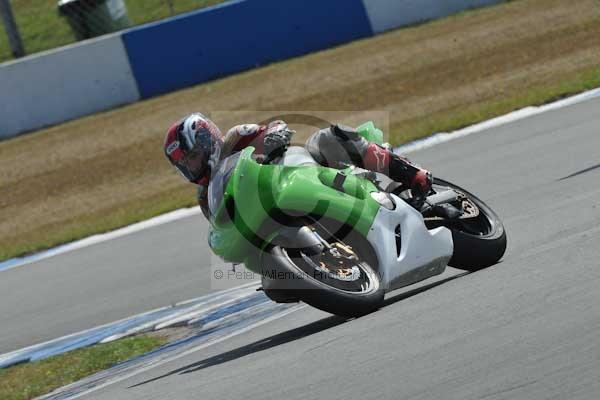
195,145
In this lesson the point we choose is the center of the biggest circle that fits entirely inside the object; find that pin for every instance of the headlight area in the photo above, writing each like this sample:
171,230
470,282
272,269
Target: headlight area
384,200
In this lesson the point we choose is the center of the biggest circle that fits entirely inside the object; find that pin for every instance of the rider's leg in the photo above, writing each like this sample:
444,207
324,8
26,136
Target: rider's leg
339,146
398,168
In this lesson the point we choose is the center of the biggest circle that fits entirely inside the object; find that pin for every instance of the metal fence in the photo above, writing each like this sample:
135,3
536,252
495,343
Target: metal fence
38,25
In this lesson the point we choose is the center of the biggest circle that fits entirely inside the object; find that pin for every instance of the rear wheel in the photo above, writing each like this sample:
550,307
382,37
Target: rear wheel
479,235
340,281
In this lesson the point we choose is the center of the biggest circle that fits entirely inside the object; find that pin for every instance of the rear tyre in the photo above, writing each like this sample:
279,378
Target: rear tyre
478,243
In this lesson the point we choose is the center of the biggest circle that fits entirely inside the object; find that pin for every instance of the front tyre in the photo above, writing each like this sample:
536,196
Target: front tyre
351,292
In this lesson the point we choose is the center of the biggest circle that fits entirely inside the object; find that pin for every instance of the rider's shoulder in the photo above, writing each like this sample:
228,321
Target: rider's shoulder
244,130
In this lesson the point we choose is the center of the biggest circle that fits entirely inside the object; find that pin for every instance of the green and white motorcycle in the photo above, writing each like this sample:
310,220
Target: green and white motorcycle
340,239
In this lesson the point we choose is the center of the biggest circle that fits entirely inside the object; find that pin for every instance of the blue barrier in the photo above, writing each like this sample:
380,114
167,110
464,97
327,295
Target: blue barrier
237,36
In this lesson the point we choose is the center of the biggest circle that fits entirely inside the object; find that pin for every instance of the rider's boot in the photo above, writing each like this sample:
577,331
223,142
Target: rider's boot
400,169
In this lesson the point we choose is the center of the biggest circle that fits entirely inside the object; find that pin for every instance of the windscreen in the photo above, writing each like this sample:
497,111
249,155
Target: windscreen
219,181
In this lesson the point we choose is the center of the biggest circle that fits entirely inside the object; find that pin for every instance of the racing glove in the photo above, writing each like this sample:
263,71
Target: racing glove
276,143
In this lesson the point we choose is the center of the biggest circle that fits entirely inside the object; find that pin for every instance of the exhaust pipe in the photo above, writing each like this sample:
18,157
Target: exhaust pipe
444,197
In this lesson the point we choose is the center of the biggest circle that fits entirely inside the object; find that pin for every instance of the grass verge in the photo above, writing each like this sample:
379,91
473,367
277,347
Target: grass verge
26,381
42,28
108,170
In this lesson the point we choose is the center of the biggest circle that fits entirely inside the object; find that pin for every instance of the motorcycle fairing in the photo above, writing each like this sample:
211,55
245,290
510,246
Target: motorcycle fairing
423,253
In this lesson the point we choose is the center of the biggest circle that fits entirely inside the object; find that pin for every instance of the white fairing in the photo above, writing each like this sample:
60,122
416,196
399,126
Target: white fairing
296,156
424,253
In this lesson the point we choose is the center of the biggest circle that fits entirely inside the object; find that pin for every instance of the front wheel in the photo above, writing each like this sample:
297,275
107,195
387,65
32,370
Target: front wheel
480,238
339,282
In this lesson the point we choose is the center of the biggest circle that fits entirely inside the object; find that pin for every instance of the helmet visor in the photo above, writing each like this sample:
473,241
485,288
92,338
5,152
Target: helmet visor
194,165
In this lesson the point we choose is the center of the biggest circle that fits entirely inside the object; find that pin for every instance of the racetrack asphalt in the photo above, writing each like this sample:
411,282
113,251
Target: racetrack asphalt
526,328
103,283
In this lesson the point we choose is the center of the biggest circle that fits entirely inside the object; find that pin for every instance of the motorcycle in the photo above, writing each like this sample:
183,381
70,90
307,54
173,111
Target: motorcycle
339,239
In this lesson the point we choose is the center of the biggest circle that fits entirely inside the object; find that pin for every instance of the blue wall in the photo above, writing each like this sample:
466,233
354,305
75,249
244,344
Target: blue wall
236,36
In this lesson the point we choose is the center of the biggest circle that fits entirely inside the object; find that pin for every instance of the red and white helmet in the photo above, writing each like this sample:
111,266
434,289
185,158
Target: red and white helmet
193,145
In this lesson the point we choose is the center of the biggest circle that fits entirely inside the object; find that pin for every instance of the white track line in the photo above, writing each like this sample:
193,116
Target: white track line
149,320
439,138
170,359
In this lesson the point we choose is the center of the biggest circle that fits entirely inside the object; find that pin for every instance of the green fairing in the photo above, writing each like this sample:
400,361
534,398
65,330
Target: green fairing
370,132
260,190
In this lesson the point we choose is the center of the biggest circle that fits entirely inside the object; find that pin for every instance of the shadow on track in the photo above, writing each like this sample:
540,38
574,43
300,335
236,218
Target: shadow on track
403,296
287,336
583,171
260,345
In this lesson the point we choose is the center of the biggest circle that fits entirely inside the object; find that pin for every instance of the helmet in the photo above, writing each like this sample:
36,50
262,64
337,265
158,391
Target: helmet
193,145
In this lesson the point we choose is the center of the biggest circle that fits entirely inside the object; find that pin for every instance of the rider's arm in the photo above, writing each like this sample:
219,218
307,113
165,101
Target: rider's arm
241,136
203,200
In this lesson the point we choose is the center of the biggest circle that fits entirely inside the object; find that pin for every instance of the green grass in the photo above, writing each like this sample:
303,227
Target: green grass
42,28
102,222
26,381
536,96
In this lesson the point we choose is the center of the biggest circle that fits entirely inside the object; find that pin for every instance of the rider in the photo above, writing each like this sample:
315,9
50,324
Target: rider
195,145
